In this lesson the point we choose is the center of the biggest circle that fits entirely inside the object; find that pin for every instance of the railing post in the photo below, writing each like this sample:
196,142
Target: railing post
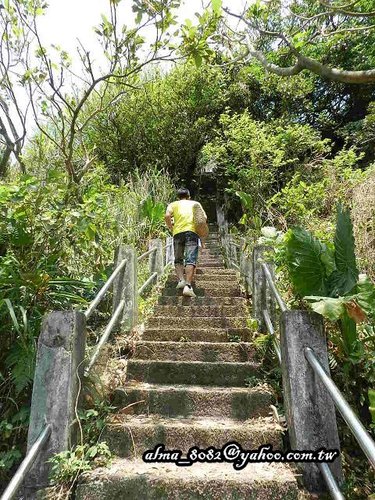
221,221
227,250
262,298
233,251
59,365
169,253
125,287
155,260
245,267
310,411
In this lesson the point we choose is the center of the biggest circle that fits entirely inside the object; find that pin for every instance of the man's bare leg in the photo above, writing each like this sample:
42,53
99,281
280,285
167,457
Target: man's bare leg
189,273
180,271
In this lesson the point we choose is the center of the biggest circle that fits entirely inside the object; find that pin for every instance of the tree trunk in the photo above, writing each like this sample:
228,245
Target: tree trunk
4,161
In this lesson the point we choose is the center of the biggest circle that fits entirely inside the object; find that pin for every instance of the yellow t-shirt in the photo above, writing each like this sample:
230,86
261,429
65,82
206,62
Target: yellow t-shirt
182,212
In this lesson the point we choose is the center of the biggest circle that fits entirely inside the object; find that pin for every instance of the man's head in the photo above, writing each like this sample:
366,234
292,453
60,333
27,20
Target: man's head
183,194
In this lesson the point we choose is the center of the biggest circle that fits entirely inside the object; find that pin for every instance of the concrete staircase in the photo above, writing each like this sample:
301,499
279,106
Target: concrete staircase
188,387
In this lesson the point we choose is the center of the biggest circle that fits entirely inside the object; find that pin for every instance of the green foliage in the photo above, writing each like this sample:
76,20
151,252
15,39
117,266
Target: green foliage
309,198
309,261
317,270
67,465
258,158
56,250
163,125
329,279
153,212
371,396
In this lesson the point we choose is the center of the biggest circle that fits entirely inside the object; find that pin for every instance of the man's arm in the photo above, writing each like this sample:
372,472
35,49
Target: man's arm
168,218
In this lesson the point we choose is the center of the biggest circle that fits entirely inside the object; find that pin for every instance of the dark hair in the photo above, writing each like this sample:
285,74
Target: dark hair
183,193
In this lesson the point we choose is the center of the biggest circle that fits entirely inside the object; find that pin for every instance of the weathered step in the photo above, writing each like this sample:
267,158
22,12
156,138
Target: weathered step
193,311
210,256
128,434
209,290
197,322
208,279
214,272
136,480
194,351
198,335
198,401
202,301
210,265
191,372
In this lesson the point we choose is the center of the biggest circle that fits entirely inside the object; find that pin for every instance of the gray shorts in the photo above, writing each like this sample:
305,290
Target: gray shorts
186,248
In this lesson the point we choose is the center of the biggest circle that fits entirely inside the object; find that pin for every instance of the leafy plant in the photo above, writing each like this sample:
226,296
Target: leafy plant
153,211
328,277
67,465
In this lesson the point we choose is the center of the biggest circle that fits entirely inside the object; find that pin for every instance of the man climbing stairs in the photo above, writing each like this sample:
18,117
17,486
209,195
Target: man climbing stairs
187,387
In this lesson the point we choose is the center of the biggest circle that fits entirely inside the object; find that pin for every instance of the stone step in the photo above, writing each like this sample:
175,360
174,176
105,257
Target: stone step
194,351
197,401
210,264
127,435
212,248
137,480
200,311
202,301
197,322
212,258
191,372
206,261
198,335
215,272
209,290
202,280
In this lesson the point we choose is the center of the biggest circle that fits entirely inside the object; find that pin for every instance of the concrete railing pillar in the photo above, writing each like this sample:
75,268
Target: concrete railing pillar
227,250
125,287
59,365
310,412
233,251
169,251
156,260
245,267
262,298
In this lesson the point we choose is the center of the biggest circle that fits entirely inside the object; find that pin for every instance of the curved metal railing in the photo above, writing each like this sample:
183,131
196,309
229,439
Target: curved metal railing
94,304
355,425
362,436
42,439
26,464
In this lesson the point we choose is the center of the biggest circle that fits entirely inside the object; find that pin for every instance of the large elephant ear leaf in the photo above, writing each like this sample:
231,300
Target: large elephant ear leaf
309,262
345,276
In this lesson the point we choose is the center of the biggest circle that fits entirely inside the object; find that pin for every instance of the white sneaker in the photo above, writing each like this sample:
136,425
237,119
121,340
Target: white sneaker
188,291
181,284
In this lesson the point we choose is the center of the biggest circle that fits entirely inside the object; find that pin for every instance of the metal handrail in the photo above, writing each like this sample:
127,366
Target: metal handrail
26,464
104,289
149,252
328,477
106,334
355,425
147,282
330,480
274,290
237,245
271,330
